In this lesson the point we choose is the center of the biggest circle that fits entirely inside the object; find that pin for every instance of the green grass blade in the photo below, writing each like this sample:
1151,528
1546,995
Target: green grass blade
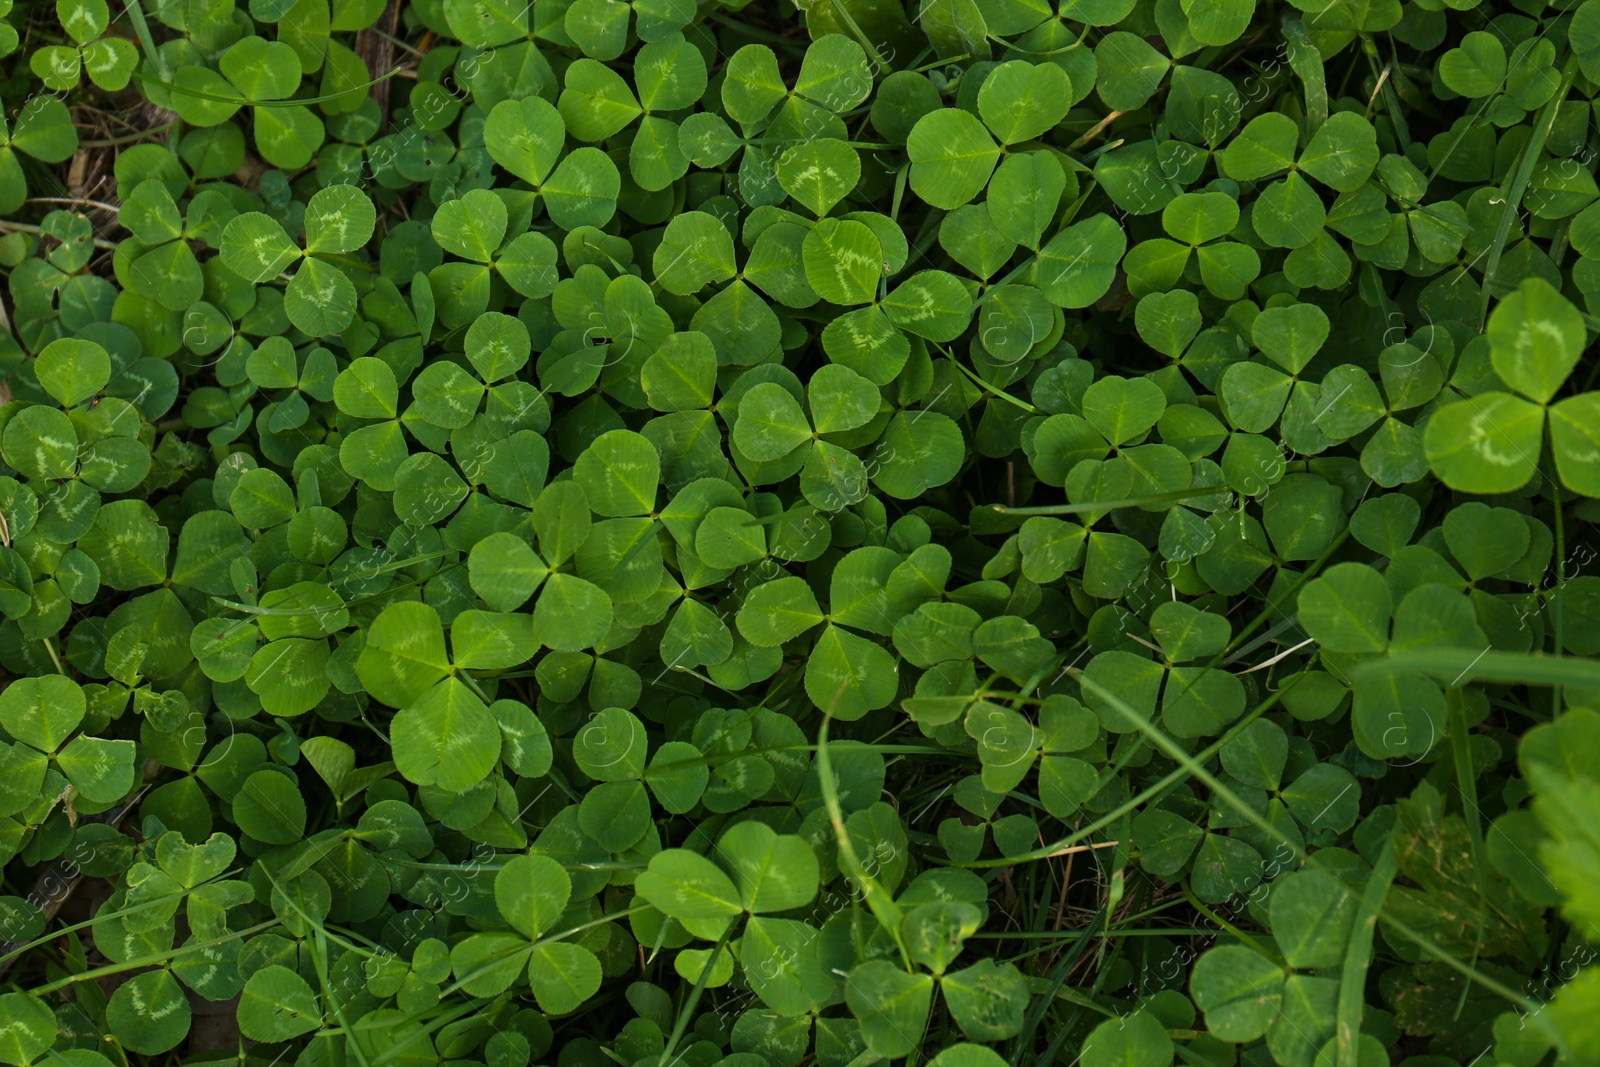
1358,957
1458,666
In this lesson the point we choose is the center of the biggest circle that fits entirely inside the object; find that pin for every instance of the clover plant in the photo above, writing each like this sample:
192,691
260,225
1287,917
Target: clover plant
951,532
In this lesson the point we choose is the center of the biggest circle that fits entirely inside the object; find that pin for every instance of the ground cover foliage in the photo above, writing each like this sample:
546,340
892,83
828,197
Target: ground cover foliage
981,532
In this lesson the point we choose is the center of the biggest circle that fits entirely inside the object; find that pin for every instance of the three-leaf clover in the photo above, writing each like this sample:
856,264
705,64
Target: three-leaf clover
476,227
771,428
109,61
319,299
161,261
39,715
1348,610
42,130
1199,224
262,75
1491,442
443,732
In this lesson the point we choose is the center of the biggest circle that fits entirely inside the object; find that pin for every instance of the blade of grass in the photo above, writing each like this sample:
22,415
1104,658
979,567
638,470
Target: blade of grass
1518,181
319,959
1000,394
1391,99
1288,598
1467,784
1493,985
1457,666
681,1024
1230,798
1358,957
1057,979
879,900
1175,752
1070,1025
1110,505
1561,577
155,959
1255,943
1306,62
1154,792
141,30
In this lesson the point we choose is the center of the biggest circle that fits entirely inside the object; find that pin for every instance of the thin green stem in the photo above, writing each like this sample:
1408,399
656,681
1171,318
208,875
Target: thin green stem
879,900
1256,944
1110,505
155,959
681,1024
1518,180
1358,957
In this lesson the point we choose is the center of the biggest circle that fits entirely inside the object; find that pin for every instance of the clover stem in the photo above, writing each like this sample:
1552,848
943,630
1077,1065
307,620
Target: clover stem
472,683
50,647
